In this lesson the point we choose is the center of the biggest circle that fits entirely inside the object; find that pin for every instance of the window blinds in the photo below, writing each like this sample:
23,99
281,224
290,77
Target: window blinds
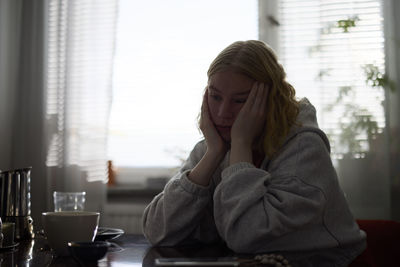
79,70
326,47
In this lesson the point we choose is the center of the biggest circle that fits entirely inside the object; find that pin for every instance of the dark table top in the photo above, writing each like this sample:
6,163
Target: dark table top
134,250
130,250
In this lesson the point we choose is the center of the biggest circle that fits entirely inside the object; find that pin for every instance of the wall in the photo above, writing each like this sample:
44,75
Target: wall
392,48
268,30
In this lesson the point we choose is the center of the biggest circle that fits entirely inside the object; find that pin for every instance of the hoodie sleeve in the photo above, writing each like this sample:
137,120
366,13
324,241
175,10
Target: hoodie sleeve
174,214
254,208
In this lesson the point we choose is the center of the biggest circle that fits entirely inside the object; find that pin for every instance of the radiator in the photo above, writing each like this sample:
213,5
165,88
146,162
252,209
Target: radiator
125,216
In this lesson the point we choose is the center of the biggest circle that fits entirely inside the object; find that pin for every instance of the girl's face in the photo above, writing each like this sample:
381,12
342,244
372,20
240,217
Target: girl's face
227,93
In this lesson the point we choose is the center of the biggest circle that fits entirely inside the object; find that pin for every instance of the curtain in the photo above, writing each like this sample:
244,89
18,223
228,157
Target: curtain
81,37
21,94
55,95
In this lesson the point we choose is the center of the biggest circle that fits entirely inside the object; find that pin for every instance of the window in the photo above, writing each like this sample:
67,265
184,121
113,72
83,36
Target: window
328,49
333,52
163,52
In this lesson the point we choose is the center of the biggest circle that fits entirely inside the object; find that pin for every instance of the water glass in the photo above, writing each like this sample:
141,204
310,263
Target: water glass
69,201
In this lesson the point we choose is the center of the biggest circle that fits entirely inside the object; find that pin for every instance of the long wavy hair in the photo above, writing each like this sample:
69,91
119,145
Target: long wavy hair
259,62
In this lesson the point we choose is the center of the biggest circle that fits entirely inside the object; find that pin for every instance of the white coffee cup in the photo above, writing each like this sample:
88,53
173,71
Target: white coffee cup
65,226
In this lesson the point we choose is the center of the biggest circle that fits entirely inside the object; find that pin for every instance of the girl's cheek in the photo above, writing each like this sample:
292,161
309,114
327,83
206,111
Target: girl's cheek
211,109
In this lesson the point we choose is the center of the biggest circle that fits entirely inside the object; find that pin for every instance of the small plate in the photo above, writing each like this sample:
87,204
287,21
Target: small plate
10,247
104,233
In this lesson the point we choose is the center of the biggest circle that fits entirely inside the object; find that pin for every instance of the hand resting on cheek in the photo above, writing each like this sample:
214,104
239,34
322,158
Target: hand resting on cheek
249,124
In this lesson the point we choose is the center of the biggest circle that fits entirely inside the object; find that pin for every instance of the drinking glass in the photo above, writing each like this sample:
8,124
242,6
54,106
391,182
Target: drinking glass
69,201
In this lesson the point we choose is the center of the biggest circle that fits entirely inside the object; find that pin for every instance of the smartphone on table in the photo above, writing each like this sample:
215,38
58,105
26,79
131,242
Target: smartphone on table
213,261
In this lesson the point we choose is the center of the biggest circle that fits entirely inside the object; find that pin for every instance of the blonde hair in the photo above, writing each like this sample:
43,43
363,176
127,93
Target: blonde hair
259,62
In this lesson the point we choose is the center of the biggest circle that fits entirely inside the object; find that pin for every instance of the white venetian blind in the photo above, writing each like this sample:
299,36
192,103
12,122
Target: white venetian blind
325,46
80,51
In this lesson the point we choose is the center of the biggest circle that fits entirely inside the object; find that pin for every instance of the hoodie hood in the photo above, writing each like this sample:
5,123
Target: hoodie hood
307,116
307,122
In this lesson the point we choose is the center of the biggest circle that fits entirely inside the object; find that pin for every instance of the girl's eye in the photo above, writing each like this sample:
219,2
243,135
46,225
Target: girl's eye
240,101
216,97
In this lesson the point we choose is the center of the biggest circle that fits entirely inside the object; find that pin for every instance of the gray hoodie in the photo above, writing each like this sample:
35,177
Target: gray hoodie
293,202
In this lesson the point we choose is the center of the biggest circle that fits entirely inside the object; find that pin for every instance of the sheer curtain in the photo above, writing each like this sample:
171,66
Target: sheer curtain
80,51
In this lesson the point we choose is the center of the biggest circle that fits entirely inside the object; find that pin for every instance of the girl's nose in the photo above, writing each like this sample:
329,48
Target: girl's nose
225,110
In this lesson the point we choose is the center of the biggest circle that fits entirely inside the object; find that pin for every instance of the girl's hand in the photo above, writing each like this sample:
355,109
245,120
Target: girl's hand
216,148
215,144
250,121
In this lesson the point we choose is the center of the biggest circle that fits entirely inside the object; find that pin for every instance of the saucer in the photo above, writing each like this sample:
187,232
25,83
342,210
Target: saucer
105,233
10,247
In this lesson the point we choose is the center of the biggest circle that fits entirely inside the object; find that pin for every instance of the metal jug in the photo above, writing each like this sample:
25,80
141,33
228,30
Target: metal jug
15,201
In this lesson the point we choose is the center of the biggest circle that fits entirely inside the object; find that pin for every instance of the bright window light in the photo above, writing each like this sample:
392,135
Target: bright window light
163,51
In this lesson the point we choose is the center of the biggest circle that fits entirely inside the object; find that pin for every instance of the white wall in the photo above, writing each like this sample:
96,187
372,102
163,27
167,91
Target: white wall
268,30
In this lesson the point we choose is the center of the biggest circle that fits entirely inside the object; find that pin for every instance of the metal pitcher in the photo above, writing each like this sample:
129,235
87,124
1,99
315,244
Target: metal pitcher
15,201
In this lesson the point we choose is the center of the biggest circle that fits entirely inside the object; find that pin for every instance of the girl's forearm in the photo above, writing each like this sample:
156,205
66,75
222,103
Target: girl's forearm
240,153
203,171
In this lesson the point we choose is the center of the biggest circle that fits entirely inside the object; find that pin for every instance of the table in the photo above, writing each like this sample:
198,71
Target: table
133,250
